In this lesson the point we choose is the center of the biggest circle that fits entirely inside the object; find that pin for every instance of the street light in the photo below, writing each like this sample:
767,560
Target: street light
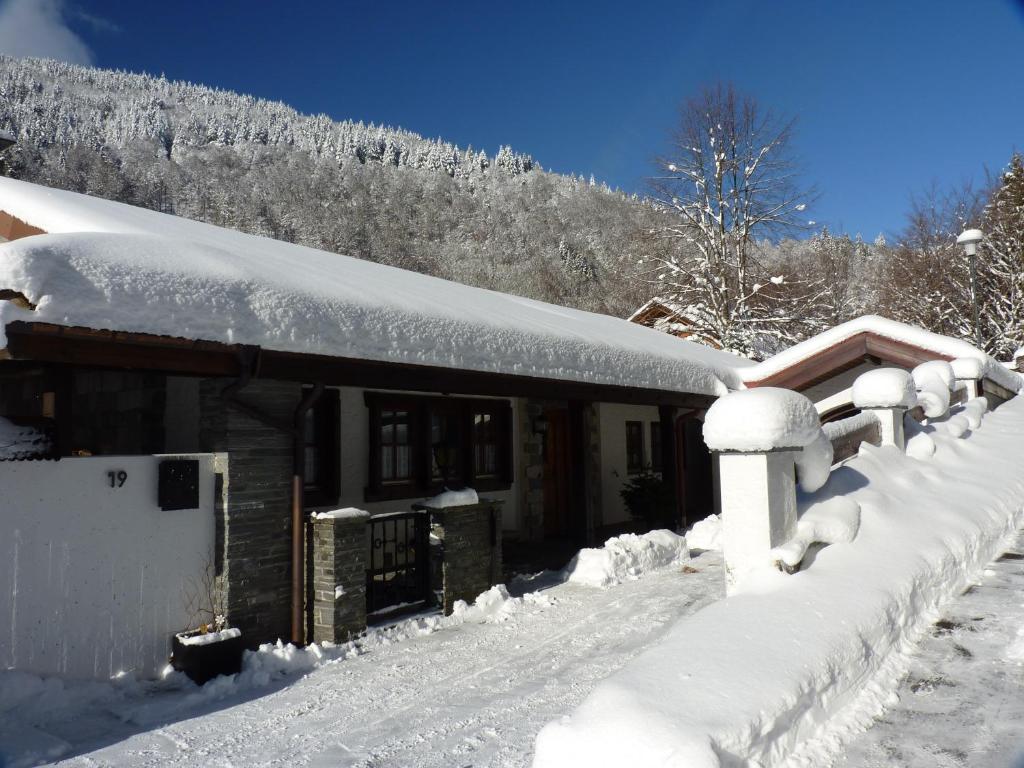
969,239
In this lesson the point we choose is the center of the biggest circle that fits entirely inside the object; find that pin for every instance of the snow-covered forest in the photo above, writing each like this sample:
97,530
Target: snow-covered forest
501,221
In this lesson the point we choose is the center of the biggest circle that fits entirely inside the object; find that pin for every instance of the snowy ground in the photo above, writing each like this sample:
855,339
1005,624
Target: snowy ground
962,702
474,693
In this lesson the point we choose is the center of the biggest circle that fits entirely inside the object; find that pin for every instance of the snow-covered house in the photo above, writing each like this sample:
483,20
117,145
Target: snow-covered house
825,366
332,382
672,318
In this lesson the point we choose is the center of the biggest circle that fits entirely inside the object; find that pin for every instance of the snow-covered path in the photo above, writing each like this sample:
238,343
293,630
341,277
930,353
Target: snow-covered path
472,694
962,701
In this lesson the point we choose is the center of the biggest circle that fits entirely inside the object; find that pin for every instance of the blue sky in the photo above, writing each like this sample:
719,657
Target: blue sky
889,96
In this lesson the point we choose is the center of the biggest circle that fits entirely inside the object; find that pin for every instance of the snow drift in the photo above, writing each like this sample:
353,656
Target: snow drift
781,674
628,556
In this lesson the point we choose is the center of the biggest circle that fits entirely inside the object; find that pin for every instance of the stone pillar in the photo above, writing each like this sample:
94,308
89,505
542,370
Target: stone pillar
890,423
340,561
531,477
254,530
757,506
471,535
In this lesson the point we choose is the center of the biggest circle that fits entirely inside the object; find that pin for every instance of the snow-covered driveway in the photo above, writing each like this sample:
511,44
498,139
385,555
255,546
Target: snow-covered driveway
962,701
474,693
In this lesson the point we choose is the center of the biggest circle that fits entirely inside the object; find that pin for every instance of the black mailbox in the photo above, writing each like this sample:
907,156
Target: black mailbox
178,485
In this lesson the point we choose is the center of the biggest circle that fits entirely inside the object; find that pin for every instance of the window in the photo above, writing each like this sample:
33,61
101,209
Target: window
656,446
419,445
322,439
396,431
634,447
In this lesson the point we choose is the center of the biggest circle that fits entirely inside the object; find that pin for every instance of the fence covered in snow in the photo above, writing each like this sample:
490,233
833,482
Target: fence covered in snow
100,576
790,665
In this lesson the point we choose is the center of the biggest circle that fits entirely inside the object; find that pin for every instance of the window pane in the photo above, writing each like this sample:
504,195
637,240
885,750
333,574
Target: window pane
387,467
444,444
403,470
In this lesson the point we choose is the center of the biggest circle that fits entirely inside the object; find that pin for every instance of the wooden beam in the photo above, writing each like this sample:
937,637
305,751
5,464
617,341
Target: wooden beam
670,461
12,228
113,349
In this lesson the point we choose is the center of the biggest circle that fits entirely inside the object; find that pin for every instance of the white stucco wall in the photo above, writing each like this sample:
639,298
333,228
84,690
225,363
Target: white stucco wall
613,454
355,460
95,578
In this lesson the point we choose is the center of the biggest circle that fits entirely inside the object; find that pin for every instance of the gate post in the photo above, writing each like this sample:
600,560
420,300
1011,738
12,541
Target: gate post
472,550
340,560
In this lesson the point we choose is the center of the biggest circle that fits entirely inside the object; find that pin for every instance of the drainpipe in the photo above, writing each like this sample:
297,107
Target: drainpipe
298,514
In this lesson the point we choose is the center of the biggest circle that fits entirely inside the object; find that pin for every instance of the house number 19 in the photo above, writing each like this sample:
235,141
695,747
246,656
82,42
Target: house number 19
117,478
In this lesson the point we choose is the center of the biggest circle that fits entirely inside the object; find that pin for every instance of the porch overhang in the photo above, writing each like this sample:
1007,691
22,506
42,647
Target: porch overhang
65,345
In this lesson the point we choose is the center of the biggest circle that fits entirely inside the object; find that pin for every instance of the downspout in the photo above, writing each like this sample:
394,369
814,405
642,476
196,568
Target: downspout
249,364
298,513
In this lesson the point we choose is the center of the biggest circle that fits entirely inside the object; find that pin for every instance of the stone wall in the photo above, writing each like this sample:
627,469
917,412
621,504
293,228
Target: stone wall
472,550
531,478
253,555
340,559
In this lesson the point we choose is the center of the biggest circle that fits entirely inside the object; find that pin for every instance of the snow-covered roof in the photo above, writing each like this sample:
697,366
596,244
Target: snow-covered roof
110,266
910,335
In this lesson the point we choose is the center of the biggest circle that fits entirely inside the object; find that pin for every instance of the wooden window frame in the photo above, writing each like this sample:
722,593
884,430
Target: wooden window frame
327,442
634,469
421,408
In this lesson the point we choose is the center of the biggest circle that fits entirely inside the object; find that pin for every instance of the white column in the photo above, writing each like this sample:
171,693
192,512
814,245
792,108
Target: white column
757,507
971,385
891,422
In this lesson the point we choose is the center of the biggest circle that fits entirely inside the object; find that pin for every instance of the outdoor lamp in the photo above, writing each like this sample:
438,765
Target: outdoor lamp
969,239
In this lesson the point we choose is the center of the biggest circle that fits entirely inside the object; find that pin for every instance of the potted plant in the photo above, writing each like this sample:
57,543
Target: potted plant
647,498
212,647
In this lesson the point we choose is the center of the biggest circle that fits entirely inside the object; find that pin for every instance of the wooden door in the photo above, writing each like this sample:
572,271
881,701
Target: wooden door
557,468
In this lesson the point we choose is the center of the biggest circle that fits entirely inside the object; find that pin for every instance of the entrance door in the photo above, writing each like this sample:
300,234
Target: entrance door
557,468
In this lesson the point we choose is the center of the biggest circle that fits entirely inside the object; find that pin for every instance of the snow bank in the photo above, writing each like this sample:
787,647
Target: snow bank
706,534
884,388
628,556
760,420
942,346
106,265
21,442
834,520
447,499
789,672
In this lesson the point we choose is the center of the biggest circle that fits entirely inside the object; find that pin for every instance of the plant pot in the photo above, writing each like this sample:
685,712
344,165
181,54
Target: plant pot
204,657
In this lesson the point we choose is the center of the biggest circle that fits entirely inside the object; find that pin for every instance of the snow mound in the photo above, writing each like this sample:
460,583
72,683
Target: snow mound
448,498
968,368
917,438
974,411
706,534
814,463
937,368
626,557
348,513
832,521
884,388
761,419
932,390
21,442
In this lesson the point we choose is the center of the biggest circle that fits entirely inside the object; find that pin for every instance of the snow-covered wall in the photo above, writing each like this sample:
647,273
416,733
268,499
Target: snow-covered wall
783,671
95,574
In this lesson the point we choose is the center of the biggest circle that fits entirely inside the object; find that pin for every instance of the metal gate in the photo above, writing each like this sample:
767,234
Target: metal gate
399,572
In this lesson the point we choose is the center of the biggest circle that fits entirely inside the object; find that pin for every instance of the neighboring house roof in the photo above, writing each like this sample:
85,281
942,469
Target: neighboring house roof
868,337
114,267
669,317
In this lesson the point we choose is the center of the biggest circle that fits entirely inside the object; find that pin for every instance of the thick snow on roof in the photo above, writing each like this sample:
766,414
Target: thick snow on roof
890,329
106,265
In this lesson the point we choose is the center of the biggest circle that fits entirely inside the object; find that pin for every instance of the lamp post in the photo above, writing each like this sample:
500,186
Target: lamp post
969,239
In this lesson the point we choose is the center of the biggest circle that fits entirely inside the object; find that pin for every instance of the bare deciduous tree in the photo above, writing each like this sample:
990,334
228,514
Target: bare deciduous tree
730,179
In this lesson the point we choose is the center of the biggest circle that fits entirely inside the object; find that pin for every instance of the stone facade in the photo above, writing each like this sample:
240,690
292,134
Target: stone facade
253,554
340,560
472,550
531,479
